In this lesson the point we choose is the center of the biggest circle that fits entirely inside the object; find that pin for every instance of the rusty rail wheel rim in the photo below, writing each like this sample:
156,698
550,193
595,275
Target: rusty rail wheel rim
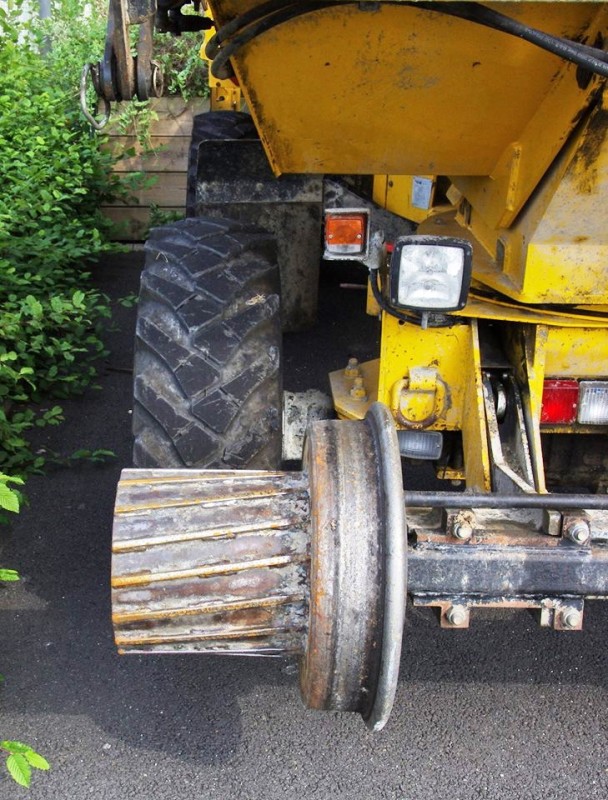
357,589
395,585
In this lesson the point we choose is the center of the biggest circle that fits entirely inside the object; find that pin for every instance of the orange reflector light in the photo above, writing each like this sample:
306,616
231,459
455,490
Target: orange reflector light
560,399
345,233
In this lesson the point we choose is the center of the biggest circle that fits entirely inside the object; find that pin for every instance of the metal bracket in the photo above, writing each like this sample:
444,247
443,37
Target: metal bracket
120,75
559,613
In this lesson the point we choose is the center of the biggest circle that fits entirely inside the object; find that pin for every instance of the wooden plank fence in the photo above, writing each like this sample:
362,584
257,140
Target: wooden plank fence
166,162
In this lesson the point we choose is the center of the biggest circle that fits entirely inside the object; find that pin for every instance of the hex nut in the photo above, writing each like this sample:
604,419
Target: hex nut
358,390
463,531
457,615
578,532
571,618
352,368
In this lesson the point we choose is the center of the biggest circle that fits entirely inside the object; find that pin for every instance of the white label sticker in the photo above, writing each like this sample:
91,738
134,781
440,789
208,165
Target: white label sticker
422,189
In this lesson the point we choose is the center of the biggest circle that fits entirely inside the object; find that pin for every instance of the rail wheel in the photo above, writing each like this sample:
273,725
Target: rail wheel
306,563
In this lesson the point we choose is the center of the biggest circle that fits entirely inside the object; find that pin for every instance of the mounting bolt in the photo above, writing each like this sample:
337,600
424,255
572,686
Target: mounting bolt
571,618
463,531
358,390
457,615
578,532
352,368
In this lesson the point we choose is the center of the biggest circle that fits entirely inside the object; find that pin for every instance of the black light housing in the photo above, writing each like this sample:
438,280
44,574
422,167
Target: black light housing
430,273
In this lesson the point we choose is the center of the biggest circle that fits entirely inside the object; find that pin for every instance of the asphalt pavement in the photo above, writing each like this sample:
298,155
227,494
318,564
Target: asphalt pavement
503,710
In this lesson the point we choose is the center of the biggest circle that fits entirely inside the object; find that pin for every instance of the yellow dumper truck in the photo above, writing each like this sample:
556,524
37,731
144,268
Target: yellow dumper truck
459,151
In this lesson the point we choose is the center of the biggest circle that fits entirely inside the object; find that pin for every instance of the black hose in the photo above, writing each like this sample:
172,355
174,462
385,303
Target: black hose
238,23
267,16
374,279
590,58
219,67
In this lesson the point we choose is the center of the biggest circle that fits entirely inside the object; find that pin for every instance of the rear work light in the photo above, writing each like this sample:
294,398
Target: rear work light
593,403
346,233
430,273
569,401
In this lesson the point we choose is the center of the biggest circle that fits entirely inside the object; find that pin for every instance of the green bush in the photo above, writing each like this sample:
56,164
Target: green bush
54,177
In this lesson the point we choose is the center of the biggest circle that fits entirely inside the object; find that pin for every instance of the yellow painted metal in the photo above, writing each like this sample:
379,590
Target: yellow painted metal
482,307
409,196
342,382
567,251
498,198
557,250
444,366
398,90
581,353
475,446
579,260
446,351
223,95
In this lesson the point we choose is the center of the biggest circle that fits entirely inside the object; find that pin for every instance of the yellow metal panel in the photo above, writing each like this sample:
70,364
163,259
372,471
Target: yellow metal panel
575,264
500,197
474,434
450,353
567,255
398,90
557,251
406,347
581,353
409,196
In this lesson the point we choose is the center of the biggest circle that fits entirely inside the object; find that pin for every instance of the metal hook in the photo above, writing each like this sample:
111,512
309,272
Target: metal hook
96,124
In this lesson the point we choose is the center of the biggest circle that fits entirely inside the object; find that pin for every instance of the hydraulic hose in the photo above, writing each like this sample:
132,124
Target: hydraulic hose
248,26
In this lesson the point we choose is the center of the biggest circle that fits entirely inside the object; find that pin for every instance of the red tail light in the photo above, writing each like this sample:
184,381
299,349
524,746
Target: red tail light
560,400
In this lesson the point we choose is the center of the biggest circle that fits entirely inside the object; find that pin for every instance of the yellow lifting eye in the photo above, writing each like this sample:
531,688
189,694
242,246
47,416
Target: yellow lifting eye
421,399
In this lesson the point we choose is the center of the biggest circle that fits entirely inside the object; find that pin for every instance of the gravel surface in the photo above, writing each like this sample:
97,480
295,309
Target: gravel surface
505,710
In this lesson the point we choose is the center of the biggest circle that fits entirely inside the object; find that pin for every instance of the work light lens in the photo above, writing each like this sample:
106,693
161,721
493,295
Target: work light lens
431,273
430,276
593,403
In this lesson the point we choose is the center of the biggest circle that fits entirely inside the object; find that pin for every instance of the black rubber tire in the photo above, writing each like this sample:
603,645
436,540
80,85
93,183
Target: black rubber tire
207,375
206,127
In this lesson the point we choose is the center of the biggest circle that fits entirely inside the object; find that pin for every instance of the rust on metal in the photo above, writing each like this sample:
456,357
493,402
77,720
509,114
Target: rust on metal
142,579
209,608
341,662
220,533
211,561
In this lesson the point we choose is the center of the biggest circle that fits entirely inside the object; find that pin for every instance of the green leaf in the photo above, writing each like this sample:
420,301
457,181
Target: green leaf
19,769
36,760
9,575
11,479
9,501
15,747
